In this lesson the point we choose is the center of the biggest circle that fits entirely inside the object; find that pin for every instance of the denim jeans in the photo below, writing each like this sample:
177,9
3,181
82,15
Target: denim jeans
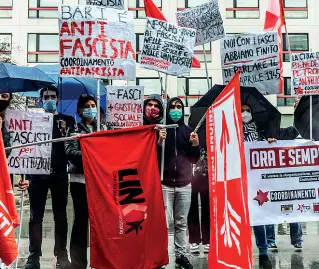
295,233
261,239
38,192
177,203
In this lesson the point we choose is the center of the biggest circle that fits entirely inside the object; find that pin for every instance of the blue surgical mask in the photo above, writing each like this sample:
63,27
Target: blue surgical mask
49,105
176,114
90,113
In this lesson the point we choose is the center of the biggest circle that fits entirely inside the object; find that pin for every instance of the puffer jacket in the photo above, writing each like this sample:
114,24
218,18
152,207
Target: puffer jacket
6,139
73,149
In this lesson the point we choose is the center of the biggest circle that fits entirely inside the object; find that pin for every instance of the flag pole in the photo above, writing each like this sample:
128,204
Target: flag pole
98,100
310,115
164,122
206,68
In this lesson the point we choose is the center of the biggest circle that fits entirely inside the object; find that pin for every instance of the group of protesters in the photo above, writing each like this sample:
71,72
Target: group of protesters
185,179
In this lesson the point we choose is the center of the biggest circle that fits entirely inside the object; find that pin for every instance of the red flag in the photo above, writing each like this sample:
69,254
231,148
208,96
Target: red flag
126,208
152,11
275,19
8,212
230,240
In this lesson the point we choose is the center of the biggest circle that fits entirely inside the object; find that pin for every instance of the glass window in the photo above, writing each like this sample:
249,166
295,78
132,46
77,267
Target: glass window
6,8
199,52
43,48
286,101
296,9
137,6
242,9
139,45
298,42
190,3
6,3
48,8
287,86
5,47
152,85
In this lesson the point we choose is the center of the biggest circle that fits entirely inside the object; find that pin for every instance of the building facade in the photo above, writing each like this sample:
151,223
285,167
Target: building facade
29,34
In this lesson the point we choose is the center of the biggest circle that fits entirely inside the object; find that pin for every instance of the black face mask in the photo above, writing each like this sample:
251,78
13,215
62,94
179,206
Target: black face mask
4,104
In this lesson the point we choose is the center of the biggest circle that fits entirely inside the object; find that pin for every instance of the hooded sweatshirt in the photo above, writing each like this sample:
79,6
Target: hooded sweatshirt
179,153
159,120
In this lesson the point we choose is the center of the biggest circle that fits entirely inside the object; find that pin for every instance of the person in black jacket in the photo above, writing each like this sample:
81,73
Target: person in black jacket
57,182
181,151
5,99
86,109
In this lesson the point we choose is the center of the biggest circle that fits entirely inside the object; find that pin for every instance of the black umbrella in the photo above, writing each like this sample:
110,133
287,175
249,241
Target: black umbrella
265,115
302,117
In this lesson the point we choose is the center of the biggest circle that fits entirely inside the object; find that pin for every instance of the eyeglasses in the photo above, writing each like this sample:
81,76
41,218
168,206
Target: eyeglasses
176,106
87,95
246,110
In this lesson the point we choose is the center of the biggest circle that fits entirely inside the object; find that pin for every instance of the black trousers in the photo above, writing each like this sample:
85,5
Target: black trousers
38,192
78,245
199,232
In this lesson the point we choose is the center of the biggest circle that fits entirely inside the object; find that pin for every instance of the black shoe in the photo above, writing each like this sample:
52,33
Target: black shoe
32,263
273,247
183,262
63,263
264,262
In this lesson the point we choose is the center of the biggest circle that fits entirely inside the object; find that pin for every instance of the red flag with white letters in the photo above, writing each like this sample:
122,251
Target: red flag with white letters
126,208
230,239
8,212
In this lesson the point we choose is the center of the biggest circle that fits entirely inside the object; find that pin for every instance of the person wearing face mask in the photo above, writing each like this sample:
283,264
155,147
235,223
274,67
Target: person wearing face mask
57,183
252,133
181,151
87,110
5,99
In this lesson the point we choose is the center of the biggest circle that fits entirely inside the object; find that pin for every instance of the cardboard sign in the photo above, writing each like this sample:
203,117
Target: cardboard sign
125,106
230,239
206,19
257,55
305,72
283,182
168,48
119,4
97,42
27,127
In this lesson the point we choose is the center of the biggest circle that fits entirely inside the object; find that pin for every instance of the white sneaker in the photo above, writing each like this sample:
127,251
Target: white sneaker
206,248
194,248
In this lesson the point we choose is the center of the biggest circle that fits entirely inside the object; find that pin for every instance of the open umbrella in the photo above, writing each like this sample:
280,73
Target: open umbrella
265,115
302,117
15,78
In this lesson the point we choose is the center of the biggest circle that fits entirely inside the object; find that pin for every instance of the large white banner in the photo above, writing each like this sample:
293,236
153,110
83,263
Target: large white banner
97,42
125,106
27,127
283,182
119,4
257,55
206,19
305,72
168,48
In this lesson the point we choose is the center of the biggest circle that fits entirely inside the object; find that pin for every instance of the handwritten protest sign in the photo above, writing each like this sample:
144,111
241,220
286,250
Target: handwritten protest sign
282,182
257,54
97,42
125,106
305,72
168,48
119,4
27,127
206,19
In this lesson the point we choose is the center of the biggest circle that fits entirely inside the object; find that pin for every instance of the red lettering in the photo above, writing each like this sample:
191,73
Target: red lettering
89,46
130,49
90,23
115,54
63,46
78,45
102,24
75,27
65,29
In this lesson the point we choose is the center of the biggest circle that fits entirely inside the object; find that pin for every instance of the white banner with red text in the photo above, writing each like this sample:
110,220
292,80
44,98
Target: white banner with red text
283,182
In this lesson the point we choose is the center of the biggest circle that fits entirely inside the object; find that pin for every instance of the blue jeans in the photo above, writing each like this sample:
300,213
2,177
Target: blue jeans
261,239
295,233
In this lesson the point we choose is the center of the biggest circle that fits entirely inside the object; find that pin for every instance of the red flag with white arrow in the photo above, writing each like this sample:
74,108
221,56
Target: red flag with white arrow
230,240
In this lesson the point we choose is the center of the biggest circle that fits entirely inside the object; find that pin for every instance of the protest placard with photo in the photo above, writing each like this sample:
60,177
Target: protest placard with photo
27,127
257,55
97,42
168,48
283,181
305,73
125,106
206,19
119,4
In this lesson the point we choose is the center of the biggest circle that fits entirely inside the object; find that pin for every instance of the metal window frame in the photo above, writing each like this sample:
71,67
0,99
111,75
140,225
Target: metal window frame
137,5
284,2
187,83
235,5
284,43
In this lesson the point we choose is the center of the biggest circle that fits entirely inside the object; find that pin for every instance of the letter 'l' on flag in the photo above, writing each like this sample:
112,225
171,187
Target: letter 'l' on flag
125,201
152,11
274,20
8,212
230,239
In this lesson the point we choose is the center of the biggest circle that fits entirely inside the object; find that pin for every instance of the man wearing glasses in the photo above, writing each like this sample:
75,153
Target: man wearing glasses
57,182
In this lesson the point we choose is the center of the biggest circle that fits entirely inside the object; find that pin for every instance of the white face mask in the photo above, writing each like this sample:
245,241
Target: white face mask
247,117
